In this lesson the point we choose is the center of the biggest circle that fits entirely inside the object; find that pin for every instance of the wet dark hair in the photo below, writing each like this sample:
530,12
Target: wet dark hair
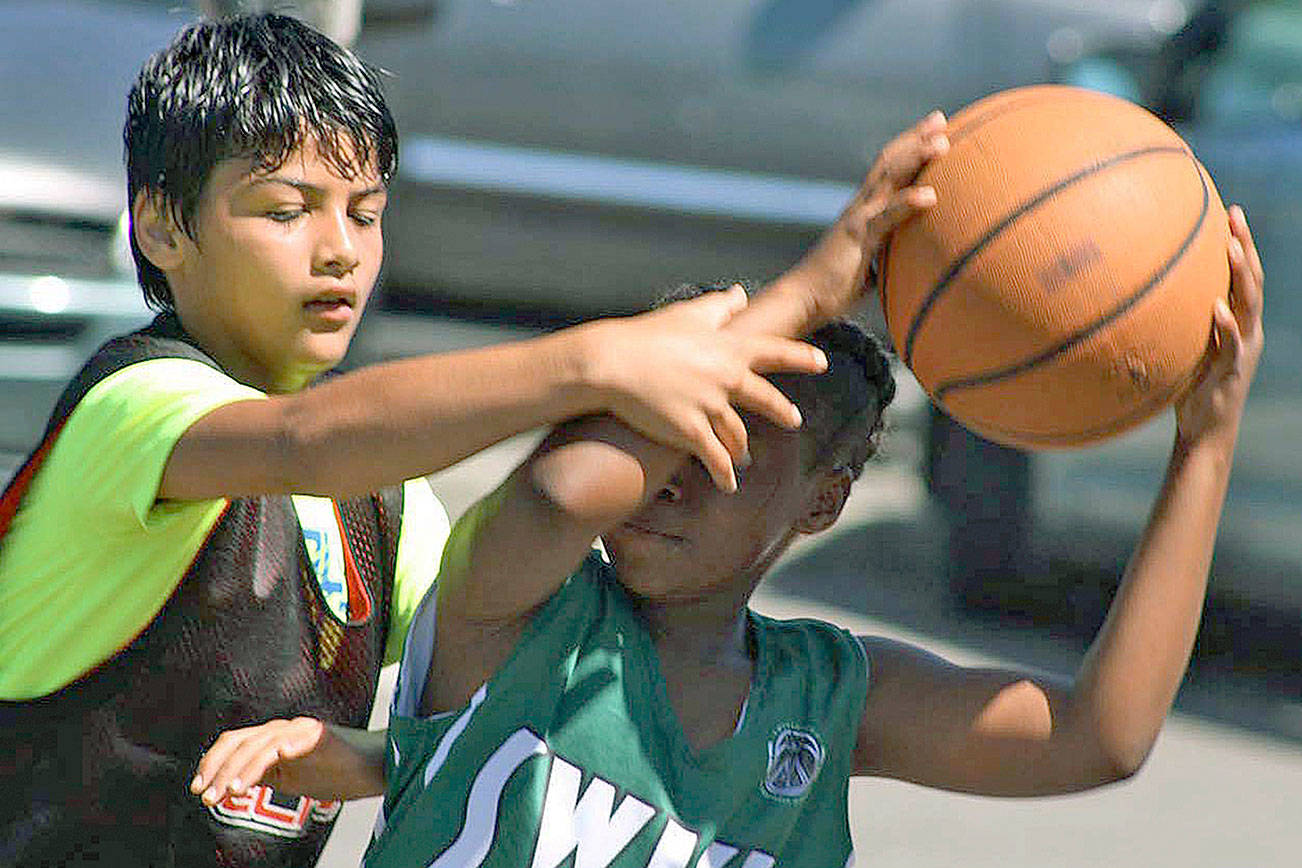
842,407
251,87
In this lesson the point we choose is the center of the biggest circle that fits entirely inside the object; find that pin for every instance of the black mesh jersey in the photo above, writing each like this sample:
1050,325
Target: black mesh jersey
98,772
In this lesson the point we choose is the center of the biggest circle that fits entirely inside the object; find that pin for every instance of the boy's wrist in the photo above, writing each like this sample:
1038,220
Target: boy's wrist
583,369
1210,453
825,282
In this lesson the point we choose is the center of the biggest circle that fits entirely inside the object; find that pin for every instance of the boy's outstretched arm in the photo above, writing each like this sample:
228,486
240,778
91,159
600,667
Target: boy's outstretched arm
671,374
1005,733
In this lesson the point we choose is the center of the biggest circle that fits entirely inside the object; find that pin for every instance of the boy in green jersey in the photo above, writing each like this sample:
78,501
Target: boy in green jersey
635,712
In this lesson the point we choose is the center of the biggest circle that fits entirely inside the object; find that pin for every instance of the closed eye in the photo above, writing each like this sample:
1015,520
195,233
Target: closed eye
285,215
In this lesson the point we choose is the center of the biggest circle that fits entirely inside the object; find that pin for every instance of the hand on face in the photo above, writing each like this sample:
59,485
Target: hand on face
678,376
1209,412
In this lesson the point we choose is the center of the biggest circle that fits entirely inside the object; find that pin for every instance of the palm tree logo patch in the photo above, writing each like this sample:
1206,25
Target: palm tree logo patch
795,757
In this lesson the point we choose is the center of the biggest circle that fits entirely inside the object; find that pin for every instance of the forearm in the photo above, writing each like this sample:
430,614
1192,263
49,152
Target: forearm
832,276
356,771
823,284
420,415
1134,668
385,423
586,476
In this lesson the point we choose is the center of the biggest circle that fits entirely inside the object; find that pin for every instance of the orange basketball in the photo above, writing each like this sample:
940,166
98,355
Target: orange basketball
1061,290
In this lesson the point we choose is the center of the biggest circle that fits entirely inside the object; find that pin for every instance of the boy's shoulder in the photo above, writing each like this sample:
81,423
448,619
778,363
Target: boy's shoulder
810,663
807,640
161,339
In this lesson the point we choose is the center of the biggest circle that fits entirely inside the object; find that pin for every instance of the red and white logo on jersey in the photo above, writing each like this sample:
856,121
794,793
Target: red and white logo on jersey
261,809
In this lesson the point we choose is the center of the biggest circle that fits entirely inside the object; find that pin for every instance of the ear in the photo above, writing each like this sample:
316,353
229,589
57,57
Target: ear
827,501
155,231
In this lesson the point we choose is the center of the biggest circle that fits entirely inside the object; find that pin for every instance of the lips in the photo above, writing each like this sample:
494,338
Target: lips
644,530
330,306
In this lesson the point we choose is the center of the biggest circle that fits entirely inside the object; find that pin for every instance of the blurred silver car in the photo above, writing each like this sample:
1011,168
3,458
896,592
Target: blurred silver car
566,158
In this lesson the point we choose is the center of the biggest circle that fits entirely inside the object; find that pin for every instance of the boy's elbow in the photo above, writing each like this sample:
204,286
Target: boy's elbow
1124,763
1119,757
590,484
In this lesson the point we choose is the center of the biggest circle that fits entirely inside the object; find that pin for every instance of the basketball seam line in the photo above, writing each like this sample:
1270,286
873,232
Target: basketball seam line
956,134
1017,213
1112,426
1088,331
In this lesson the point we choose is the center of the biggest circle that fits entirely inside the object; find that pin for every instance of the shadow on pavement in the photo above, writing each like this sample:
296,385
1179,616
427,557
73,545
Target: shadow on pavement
1247,665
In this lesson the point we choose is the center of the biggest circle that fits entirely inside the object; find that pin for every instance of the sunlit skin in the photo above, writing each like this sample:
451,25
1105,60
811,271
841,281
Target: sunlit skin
280,268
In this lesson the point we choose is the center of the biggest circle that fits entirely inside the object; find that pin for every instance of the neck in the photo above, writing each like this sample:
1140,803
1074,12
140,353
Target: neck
242,367
709,627
711,624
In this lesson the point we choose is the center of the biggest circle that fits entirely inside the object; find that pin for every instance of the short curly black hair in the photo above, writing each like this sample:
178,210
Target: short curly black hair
842,407
254,87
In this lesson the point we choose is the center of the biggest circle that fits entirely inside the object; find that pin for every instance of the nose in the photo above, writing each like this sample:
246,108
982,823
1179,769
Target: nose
670,492
336,250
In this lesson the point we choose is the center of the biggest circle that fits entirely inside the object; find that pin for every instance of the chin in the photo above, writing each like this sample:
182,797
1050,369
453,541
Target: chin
325,351
641,573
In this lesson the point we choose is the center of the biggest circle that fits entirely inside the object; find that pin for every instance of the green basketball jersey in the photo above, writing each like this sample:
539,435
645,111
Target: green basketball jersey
572,754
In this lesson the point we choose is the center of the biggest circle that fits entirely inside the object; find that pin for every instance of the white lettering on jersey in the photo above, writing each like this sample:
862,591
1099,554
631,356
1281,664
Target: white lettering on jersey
587,824
471,846
590,827
674,849
454,732
717,855
285,816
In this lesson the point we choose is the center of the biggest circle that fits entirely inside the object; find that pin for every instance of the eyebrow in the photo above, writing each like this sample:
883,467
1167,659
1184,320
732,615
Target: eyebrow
313,189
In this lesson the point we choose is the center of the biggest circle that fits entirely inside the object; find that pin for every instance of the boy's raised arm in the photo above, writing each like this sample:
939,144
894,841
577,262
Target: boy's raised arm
514,548
1007,733
833,276
593,473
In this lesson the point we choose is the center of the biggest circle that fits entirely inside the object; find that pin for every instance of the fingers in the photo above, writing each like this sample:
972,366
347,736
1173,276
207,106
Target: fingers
768,355
731,432
760,397
710,450
905,156
714,308
240,758
213,764
901,207
726,446
1229,340
1246,274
